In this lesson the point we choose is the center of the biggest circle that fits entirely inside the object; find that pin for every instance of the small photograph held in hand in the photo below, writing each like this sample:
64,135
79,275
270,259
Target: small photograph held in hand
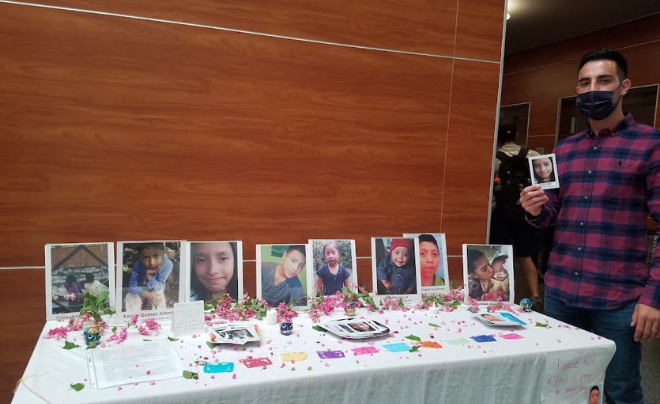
543,170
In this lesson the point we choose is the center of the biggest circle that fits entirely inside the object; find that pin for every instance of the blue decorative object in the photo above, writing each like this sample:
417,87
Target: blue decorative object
526,304
286,327
92,335
350,309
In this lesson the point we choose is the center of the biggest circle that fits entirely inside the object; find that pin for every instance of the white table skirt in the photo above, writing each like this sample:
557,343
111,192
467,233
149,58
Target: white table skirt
504,371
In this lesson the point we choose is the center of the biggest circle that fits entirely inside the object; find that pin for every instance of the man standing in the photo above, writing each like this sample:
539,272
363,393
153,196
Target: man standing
508,225
597,276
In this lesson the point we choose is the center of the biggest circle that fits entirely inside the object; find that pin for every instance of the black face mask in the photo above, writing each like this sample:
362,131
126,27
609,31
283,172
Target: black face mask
597,105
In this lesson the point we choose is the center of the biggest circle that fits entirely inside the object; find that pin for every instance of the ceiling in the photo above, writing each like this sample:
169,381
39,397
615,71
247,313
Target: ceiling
539,22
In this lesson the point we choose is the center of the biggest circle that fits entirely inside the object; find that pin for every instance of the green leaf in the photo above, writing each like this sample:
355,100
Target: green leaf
70,345
102,297
77,386
108,311
91,345
172,339
113,329
401,302
146,340
541,325
415,348
210,344
190,375
413,337
318,327
433,325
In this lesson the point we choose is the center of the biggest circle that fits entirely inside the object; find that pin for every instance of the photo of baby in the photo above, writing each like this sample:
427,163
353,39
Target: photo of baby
395,269
488,272
333,268
543,171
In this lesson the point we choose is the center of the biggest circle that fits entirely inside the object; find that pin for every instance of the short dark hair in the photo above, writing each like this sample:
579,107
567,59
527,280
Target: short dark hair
594,388
506,132
297,247
606,54
500,258
156,246
427,238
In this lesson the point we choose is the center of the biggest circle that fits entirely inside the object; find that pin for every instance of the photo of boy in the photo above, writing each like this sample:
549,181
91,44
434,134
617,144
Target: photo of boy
333,266
279,280
149,278
542,170
432,259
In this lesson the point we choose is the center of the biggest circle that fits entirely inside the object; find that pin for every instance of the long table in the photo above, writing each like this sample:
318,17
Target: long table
529,364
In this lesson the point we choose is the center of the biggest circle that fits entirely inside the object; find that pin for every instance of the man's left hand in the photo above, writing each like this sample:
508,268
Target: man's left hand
646,321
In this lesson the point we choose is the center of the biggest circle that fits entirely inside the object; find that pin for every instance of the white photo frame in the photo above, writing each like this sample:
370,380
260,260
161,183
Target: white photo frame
205,276
384,268
543,171
72,270
323,280
479,274
168,286
270,263
436,282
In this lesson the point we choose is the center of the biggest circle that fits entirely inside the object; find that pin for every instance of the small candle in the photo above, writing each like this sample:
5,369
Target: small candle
271,317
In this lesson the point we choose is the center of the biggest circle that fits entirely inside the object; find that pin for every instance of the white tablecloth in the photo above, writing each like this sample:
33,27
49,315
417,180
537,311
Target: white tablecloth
526,367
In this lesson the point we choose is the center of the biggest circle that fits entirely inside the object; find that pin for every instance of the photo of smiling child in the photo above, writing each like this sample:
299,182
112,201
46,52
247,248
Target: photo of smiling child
543,171
216,269
396,269
281,276
488,273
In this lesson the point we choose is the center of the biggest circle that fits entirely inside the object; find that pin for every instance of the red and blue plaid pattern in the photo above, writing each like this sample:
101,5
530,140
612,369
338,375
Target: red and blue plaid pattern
609,182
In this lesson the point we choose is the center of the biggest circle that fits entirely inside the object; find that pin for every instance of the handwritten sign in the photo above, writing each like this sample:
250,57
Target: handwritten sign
570,375
188,318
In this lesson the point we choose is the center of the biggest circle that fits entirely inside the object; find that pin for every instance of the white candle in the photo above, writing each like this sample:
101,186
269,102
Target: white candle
271,317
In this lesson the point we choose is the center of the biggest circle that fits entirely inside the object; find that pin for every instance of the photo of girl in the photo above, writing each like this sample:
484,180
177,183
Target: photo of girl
69,270
216,269
333,268
542,170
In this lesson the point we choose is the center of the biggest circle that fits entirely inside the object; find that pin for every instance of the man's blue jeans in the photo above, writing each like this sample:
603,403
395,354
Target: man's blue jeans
622,378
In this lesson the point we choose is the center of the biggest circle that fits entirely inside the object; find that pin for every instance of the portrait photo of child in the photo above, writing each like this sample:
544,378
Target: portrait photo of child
395,268
149,276
432,258
281,275
333,267
216,270
75,269
543,171
488,273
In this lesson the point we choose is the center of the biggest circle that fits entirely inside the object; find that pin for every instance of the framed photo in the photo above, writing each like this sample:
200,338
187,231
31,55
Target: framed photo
543,171
432,258
281,275
216,269
488,273
149,277
333,266
74,269
395,269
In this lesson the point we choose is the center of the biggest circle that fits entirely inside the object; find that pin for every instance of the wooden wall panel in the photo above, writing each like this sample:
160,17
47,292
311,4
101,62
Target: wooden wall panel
21,323
410,25
198,134
479,29
469,153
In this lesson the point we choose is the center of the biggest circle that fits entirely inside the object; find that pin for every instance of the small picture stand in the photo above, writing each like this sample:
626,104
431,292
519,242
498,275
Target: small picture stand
333,267
488,273
543,171
432,259
150,278
74,269
395,269
281,275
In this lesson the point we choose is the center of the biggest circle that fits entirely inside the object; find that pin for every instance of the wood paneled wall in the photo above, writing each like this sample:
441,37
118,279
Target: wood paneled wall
263,121
542,75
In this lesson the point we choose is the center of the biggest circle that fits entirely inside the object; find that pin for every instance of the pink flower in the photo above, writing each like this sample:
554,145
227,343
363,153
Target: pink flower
134,319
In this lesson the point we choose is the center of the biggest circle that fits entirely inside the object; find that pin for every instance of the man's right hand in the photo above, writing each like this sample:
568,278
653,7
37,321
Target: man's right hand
532,199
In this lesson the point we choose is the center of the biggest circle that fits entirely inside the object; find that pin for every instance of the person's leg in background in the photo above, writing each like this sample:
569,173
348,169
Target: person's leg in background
623,377
527,241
